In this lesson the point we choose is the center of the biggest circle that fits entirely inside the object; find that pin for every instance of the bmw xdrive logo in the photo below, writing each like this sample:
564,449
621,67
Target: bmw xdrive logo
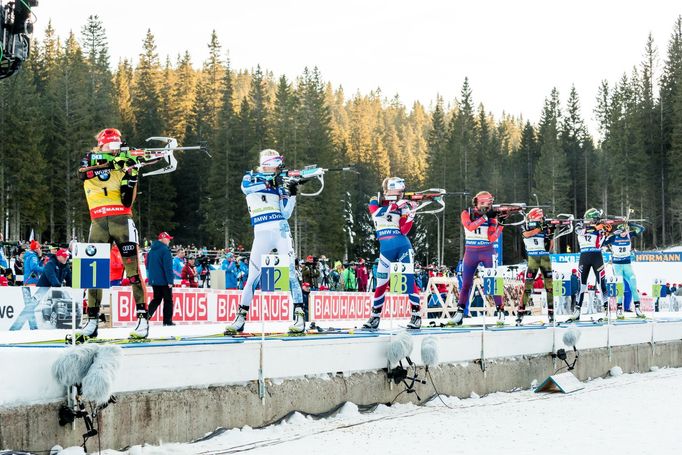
90,250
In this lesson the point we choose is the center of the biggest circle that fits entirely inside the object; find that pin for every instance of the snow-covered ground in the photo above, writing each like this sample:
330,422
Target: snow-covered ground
625,414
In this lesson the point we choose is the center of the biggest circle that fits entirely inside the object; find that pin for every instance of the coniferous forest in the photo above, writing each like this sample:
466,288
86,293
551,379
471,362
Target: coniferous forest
70,89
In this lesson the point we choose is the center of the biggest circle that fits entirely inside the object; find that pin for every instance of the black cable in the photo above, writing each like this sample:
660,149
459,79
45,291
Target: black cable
433,384
99,436
396,397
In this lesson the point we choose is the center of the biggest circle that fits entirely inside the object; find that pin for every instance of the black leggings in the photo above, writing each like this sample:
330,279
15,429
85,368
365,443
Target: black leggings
591,260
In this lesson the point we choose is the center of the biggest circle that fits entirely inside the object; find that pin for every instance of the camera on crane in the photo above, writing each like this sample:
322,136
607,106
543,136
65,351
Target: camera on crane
16,26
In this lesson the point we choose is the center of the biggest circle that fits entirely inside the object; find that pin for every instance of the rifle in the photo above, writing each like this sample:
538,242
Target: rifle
308,173
426,197
563,224
147,157
511,214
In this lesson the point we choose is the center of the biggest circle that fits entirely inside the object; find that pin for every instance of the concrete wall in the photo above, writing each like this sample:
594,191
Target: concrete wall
183,415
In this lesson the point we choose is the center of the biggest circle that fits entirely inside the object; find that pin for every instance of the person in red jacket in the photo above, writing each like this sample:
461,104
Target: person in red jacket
189,274
116,267
481,231
362,275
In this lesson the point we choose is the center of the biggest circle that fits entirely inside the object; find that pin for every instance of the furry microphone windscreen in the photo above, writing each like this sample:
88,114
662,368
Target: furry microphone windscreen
571,337
98,382
72,366
399,348
430,351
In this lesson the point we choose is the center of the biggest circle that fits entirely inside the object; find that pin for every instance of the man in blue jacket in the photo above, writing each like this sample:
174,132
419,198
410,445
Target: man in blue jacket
231,271
56,271
160,271
32,267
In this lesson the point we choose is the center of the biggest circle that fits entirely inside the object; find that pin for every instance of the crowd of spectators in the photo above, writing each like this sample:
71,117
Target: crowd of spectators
32,263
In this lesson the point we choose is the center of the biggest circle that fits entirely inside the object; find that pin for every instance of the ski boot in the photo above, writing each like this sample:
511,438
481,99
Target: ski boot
299,320
550,317
520,313
458,318
639,313
373,321
415,321
619,314
575,317
142,329
500,317
237,325
88,328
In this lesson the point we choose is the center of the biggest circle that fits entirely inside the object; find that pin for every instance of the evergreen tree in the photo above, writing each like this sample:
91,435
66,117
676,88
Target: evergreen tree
551,182
22,167
156,197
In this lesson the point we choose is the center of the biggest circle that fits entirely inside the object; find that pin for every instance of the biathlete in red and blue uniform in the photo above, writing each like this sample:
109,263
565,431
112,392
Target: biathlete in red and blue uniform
481,230
393,217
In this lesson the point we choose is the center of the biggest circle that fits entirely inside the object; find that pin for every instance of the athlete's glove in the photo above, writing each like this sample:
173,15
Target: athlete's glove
293,187
491,213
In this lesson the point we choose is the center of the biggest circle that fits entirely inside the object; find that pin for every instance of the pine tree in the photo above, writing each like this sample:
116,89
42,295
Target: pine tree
573,138
551,182
100,88
156,199
224,212
123,80
22,166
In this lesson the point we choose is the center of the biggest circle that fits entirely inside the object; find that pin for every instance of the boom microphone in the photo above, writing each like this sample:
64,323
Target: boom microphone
571,337
429,351
399,348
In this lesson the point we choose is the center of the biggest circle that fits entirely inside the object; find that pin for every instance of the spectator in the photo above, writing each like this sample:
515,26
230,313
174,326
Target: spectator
310,273
305,289
231,269
178,264
348,280
204,271
362,275
575,287
335,277
189,274
323,266
56,272
18,266
374,274
161,277
243,273
51,251
32,267
116,267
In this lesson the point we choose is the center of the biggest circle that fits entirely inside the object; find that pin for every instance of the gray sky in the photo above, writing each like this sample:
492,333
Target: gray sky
513,52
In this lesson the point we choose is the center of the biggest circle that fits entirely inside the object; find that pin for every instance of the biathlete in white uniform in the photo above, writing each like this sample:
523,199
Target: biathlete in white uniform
620,242
393,217
271,201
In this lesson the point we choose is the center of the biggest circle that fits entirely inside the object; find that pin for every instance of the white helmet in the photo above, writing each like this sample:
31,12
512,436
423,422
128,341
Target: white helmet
393,185
270,158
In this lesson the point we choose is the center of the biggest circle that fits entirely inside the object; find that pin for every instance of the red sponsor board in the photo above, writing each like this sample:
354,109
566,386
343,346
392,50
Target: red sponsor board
335,306
275,306
188,306
193,306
